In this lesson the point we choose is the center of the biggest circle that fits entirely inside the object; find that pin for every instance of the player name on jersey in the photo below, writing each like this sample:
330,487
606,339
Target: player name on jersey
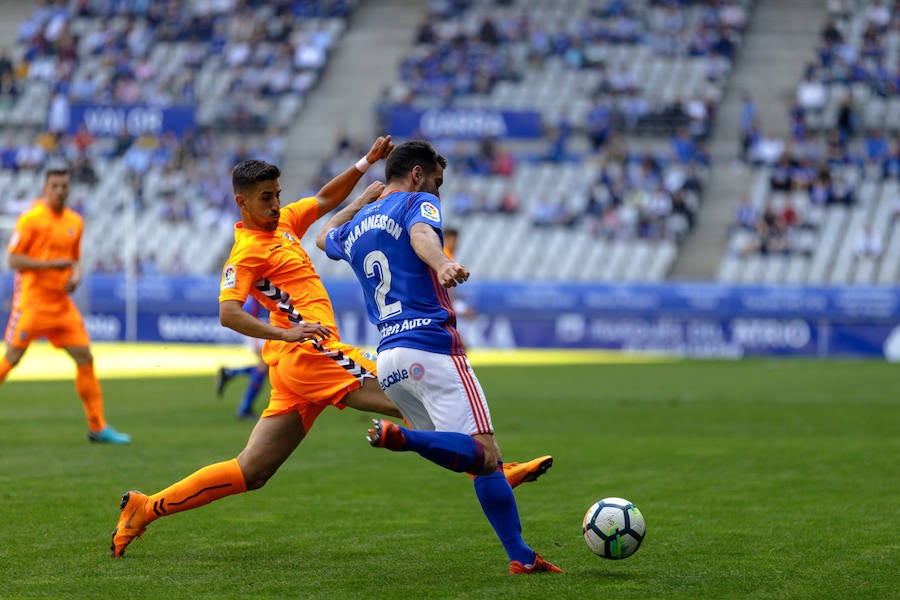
383,222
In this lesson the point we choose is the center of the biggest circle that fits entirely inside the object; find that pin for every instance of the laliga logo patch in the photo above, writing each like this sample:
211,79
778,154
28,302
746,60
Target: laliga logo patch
417,371
229,277
430,212
14,240
290,237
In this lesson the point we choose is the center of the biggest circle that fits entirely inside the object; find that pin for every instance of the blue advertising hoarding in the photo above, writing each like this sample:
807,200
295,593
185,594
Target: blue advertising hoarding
107,120
464,123
696,319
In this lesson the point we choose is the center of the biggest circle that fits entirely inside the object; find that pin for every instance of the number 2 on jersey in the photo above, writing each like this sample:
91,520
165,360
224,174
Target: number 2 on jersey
377,258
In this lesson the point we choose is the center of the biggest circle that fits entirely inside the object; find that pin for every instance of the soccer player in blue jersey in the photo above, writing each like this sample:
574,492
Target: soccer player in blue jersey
256,373
394,245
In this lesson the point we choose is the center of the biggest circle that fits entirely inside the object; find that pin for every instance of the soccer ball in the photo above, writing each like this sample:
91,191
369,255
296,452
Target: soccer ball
613,528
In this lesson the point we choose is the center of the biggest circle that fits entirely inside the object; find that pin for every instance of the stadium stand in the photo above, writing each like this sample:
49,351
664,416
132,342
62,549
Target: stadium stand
823,205
627,92
243,69
620,170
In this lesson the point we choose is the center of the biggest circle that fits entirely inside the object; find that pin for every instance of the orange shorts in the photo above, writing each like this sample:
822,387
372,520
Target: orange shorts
307,379
63,329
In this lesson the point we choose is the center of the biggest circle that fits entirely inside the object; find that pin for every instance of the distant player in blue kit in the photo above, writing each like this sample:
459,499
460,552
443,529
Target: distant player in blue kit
394,245
256,373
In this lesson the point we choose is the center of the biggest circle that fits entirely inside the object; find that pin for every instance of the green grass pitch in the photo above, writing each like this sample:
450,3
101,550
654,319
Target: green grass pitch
758,479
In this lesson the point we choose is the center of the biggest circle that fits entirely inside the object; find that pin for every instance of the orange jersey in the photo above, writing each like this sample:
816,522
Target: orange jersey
42,234
275,269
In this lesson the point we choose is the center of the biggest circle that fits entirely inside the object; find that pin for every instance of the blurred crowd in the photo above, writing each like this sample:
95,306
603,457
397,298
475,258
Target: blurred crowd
465,48
102,51
831,150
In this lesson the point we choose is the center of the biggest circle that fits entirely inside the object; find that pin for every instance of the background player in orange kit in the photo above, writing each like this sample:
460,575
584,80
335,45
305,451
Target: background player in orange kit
44,250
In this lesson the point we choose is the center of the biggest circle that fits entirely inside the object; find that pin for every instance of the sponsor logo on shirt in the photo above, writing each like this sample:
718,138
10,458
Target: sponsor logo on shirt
229,277
404,325
430,212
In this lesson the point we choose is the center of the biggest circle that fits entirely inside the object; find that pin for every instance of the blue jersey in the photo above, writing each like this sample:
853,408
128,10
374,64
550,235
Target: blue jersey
402,293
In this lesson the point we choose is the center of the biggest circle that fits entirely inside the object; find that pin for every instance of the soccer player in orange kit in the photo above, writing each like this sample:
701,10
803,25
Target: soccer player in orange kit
44,250
310,368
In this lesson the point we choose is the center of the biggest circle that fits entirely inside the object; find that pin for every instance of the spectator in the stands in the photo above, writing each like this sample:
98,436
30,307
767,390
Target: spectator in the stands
842,191
789,216
599,125
767,149
831,34
811,93
820,192
876,146
745,215
868,244
771,236
846,118
780,178
878,15
9,91
890,166
748,124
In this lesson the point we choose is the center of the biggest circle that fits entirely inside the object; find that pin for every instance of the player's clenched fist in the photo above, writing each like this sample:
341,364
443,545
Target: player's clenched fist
452,273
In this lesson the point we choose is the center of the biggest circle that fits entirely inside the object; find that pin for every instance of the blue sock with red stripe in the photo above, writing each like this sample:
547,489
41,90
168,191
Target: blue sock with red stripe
499,506
455,451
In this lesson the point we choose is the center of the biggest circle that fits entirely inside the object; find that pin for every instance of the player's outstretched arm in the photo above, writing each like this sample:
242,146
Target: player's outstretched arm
369,195
336,191
427,244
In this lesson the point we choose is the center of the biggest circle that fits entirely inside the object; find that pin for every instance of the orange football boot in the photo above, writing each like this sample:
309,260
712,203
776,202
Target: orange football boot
539,566
132,522
517,473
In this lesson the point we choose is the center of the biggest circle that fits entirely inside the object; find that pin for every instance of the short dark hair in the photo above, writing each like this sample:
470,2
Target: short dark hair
404,157
55,167
248,173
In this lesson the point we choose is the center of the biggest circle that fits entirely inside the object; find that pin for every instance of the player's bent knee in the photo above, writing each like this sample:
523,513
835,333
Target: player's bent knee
489,466
256,472
491,460
255,479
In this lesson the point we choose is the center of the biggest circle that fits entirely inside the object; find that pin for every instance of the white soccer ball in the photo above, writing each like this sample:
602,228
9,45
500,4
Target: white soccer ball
613,528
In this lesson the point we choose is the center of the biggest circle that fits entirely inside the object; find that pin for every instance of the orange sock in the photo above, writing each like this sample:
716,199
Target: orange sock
88,389
202,487
5,368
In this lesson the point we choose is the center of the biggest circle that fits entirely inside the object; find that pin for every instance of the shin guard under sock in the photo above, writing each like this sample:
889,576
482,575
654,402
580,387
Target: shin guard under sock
499,506
198,489
88,389
455,451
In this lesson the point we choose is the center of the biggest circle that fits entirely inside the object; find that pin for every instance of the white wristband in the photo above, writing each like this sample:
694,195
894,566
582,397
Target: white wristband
362,165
